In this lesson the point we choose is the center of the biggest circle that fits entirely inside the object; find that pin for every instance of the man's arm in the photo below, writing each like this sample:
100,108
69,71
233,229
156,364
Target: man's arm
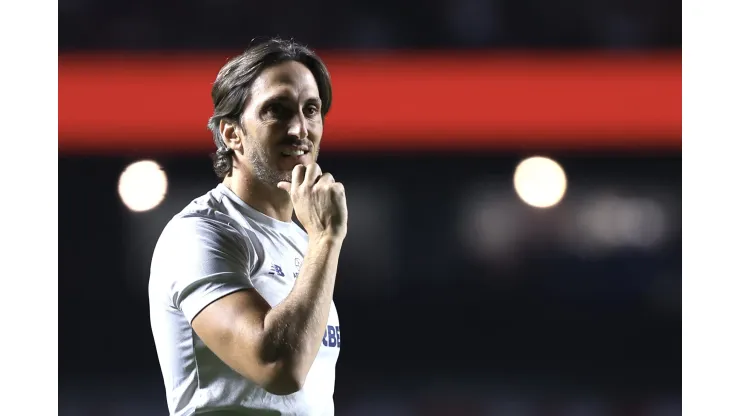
275,347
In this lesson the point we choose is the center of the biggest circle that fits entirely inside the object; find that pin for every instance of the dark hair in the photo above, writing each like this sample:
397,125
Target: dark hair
232,87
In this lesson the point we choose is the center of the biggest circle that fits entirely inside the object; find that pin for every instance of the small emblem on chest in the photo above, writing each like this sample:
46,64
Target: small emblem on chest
276,270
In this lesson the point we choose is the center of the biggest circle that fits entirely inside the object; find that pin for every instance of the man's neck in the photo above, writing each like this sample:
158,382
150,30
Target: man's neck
269,200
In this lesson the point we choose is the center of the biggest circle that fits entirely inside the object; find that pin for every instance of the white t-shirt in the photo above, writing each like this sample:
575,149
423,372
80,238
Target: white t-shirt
218,245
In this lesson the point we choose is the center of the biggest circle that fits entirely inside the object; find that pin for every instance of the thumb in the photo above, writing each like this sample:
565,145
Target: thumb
285,186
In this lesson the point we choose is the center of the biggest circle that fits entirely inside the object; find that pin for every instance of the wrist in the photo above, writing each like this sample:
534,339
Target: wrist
327,239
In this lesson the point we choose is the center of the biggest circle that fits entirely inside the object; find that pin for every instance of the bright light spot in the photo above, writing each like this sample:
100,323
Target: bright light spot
631,222
142,186
540,182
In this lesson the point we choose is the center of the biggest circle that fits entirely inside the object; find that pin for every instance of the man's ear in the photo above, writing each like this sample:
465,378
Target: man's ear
230,134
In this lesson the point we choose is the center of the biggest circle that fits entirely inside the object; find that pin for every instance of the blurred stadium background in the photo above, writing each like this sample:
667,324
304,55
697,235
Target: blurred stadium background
470,283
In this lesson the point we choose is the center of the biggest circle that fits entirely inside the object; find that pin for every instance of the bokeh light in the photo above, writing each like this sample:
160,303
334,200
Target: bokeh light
540,182
142,186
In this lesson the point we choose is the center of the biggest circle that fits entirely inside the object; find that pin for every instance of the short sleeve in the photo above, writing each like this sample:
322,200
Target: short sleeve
200,260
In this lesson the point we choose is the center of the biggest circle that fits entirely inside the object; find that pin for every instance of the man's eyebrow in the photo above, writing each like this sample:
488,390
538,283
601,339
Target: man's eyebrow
280,97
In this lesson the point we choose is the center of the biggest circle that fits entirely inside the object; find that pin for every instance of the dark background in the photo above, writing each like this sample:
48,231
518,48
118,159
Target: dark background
455,297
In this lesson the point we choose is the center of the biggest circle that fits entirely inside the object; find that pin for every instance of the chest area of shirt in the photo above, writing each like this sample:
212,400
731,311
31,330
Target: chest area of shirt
276,270
274,277
276,274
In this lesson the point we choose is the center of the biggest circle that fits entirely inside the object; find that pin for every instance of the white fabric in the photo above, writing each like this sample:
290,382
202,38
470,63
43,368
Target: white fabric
218,245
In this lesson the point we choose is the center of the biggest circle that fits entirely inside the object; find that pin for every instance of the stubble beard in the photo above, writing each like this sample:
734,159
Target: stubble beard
264,172
267,174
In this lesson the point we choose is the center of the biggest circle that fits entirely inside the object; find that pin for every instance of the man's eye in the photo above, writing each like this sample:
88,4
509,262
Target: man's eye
312,110
276,110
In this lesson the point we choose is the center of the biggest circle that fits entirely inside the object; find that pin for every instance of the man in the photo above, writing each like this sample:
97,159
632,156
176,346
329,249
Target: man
240,296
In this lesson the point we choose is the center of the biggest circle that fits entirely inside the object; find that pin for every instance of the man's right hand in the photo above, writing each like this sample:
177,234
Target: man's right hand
319,202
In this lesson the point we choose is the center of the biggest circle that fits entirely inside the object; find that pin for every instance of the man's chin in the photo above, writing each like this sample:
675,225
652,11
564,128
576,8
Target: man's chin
287,163
285,176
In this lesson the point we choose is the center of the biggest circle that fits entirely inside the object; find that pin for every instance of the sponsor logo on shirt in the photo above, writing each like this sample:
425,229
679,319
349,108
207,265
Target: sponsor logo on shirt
331,337
298,263
276,270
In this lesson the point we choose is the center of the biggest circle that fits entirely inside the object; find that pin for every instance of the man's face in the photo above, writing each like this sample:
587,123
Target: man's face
282,123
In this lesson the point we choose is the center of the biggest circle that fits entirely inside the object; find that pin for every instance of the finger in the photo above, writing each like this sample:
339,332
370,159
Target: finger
338,193
313,172
338,188
285,186
326,178
299,173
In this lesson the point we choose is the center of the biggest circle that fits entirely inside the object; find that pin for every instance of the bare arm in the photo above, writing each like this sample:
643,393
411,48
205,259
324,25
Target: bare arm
295,327
275,347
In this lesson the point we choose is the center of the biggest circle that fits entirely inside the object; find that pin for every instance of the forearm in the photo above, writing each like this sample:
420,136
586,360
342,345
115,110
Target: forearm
294,328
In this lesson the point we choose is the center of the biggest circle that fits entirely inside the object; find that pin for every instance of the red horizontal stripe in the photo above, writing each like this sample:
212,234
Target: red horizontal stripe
391,102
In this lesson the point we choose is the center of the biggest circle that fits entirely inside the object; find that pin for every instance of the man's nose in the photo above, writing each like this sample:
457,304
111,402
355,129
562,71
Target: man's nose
298,127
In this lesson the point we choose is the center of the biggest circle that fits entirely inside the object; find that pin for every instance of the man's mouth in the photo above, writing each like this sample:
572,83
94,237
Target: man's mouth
293,152
294,149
